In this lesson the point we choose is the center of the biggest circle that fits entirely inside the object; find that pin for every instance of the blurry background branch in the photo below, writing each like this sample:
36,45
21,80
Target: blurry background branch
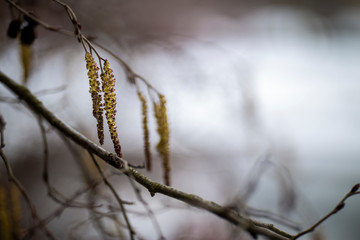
21,189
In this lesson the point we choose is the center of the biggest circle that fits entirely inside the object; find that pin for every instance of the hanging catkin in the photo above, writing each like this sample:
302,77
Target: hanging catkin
95,94
144,113
108,87
163,130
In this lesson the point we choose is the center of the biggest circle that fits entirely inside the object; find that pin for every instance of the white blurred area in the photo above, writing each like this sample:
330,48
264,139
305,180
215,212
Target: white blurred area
276,81
302,87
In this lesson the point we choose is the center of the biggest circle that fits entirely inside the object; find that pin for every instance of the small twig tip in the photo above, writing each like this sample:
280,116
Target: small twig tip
355,188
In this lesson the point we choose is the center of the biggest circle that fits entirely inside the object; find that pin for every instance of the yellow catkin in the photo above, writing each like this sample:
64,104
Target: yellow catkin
108,87
163,130
26,60
5,224
16,212
144,112
95,92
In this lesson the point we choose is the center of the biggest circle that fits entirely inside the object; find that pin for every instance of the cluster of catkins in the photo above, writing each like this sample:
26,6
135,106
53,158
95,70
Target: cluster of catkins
103,98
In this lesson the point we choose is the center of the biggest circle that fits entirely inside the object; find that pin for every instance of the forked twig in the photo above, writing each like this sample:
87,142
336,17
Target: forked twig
57,212
354,191
149,211
117,197
17,183
52,192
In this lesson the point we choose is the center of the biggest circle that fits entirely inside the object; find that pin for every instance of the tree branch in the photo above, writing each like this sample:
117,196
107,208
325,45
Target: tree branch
253,227
37,106
20,187
117,197
338,207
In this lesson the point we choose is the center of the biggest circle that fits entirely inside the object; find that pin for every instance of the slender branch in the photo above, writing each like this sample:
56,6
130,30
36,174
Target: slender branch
198,202
338,207
231,216
260,213
131,75
52,192
149,211
2,128
118,199
20,187
24,94
39,21
57,212
50,91
8,100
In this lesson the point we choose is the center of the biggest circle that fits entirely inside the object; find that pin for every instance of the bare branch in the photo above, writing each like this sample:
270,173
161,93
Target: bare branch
52,192
39,21
354,191
2,128
231,216
149,211
118,199
57,212
272,216
17,183
24,94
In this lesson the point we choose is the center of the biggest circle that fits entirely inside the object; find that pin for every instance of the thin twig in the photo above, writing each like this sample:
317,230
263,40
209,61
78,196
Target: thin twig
117,197
118,224
272,216
38,20
52,192
338,207
17,183
149,211
93,218
50,91
2,129
95,215
8,100
57,212
130,74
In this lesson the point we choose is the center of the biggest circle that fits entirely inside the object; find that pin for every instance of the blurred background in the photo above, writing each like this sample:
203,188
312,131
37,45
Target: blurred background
262,99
